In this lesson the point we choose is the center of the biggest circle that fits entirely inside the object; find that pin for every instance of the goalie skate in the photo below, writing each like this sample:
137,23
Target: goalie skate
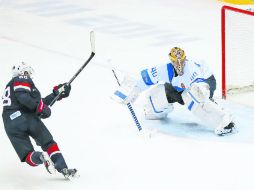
226,130
49,165
70,173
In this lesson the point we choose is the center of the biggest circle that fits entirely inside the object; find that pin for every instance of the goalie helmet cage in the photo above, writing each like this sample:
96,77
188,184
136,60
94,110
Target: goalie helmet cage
237,33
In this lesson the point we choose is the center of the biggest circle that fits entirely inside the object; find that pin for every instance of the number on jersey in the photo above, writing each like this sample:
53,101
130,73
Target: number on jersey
6,97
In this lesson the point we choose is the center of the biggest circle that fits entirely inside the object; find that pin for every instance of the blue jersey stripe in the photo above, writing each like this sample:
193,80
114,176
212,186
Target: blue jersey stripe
171,73
197,64
146,78
197,80
179,89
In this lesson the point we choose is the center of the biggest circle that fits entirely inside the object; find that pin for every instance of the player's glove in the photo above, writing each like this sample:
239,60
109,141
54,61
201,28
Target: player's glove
43,111
128,92
64,89
200,91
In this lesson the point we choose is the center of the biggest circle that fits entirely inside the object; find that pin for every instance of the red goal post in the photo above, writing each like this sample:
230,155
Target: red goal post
237,34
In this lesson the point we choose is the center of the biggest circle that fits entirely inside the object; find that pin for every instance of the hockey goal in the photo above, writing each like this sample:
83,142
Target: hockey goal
237,31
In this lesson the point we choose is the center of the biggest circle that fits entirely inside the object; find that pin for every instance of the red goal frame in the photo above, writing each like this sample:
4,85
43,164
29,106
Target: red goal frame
223,42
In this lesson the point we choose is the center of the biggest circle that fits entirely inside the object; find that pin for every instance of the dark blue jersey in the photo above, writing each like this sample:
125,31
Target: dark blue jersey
21,94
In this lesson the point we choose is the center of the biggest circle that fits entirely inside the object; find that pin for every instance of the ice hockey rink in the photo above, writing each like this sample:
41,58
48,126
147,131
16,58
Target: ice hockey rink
95,134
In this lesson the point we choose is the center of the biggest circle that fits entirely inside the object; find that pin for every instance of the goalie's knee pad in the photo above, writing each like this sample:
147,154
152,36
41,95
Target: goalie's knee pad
156,105
151,114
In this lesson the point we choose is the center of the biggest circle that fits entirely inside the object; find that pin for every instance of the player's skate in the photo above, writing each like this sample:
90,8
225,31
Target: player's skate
70,173
230,128
49,165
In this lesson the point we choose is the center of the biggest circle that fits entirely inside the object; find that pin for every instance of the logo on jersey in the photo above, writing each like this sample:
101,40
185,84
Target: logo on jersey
182,85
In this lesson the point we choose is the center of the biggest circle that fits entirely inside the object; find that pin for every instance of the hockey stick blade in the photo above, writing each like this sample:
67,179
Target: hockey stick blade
92,41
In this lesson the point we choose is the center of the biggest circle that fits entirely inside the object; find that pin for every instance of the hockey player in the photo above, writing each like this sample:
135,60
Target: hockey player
23,109
187,82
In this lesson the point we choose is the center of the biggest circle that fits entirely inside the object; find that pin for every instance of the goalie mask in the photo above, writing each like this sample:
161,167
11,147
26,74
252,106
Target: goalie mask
177,56
22,69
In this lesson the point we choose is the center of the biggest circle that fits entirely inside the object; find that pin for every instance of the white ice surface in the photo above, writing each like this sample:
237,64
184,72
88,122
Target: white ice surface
98,136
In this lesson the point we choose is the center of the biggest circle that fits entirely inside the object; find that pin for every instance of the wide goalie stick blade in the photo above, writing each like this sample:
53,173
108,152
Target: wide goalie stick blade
92,41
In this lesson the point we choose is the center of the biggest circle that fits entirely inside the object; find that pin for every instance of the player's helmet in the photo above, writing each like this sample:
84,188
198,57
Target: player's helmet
177,56
22,69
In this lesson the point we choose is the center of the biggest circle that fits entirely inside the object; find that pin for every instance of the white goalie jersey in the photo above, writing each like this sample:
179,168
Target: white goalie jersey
193,72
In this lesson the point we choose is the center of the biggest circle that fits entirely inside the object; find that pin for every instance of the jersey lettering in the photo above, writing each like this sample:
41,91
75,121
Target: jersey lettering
6,97
154,72
23,77
193,76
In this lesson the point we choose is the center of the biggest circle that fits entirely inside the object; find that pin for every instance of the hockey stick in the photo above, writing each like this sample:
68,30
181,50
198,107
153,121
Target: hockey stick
92,41
129,106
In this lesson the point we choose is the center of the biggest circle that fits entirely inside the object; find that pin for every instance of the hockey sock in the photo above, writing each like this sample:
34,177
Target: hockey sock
56,157
33,158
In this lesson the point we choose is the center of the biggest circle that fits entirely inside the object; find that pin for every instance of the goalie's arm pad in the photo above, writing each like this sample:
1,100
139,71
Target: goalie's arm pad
172,94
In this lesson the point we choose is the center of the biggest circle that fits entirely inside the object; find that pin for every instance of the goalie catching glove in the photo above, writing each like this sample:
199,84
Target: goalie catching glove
196,99
63,89
127,92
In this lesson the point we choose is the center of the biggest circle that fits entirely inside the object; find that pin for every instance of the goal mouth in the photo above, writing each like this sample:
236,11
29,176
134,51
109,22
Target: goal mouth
237,39
232,90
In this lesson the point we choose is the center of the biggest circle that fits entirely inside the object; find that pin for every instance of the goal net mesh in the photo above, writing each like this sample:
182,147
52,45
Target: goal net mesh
237,51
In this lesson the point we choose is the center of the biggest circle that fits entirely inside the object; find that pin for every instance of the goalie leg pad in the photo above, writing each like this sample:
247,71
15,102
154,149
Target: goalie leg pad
157,106
207,111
